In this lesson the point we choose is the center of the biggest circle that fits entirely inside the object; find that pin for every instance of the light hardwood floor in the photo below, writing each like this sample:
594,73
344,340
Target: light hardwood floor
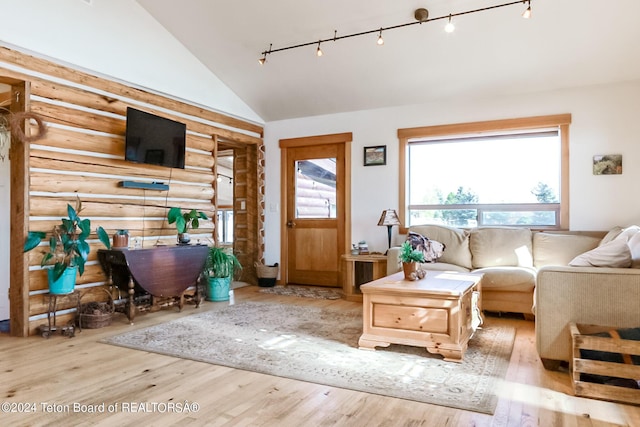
62,371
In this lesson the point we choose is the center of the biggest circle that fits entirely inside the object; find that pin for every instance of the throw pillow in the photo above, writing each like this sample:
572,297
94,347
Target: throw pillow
431,249
627,233
634,247
612,234
615,254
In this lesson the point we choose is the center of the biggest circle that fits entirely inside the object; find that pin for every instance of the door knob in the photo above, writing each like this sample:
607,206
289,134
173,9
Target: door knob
291,224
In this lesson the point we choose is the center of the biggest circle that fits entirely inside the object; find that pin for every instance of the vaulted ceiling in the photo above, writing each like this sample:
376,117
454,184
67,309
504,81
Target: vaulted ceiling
566,43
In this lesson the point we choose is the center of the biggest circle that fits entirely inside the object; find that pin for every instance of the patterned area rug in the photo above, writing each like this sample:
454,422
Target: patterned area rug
304,291
320,345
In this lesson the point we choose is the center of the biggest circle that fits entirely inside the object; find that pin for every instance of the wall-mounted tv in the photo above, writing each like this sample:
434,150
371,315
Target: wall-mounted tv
154,140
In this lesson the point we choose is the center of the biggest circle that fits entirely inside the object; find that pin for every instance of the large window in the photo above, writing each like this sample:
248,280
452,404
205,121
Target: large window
507,172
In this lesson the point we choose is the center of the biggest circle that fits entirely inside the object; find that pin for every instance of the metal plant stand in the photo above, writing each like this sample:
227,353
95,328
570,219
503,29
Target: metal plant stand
69,330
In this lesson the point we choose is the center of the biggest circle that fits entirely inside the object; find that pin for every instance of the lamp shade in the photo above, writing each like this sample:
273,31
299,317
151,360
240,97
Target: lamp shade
389,217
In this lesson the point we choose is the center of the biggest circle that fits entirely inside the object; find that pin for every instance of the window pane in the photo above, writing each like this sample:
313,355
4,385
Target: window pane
316,188
228,226
531,218
450,217
501,169
484,171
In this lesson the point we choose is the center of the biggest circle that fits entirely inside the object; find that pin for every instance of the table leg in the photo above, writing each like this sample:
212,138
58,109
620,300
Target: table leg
131,309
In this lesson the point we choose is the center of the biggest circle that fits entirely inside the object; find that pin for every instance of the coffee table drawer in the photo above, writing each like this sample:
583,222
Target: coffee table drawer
420,319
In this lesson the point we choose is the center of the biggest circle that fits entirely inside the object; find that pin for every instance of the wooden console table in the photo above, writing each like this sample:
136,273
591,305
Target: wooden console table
156,276
359,269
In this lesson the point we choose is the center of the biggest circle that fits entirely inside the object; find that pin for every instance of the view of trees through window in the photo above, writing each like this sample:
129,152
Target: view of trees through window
509,179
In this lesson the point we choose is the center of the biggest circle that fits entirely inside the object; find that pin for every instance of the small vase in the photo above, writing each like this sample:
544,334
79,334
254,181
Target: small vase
120,241
184,238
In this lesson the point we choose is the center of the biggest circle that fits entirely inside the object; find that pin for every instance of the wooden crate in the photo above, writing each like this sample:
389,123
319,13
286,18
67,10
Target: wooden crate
582,340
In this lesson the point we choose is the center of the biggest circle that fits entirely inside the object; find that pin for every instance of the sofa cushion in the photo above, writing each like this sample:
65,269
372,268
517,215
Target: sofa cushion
456,243
560,249
501,246
511,279
443,266
615,254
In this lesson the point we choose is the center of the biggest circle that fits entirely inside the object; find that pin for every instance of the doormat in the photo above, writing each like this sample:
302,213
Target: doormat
320,345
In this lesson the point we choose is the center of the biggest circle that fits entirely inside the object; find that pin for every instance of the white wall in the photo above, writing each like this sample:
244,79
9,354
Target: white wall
119,39
606,120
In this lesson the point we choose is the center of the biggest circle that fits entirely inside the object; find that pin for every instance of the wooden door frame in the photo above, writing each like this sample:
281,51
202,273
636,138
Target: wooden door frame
19,192
337,138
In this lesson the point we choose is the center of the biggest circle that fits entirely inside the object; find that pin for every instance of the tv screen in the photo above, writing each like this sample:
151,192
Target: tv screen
154,140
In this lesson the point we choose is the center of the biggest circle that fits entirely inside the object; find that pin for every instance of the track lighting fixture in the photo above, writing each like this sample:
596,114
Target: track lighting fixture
449,28
527,12
421,16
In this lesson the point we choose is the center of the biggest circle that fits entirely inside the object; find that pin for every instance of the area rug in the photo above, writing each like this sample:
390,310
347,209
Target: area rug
304,291
320,345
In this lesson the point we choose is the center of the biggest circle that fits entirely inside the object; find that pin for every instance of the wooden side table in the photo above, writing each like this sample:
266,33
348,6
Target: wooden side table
356,270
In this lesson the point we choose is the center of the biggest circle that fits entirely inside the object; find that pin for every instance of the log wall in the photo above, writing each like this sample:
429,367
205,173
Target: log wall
82,155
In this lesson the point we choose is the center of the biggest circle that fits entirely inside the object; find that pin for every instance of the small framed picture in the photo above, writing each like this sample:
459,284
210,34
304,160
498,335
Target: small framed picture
375,156
607,164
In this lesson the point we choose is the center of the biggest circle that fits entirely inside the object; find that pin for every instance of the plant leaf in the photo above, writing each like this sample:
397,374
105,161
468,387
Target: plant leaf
71,213
85,228
104,237
173,214
33,239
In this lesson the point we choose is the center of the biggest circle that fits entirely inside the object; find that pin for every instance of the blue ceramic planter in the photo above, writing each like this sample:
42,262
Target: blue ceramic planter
65,284
218,289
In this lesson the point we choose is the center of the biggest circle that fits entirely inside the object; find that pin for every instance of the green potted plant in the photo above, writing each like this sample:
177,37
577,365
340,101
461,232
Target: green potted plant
184,221
411,258
68,249
219,268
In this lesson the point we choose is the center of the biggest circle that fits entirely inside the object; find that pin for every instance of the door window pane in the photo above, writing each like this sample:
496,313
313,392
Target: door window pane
315,188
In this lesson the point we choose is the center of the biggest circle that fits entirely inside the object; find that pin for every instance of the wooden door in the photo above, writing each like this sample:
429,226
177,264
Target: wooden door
314,212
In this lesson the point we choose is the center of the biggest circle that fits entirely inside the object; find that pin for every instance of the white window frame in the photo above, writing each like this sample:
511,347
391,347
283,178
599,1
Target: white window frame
560,122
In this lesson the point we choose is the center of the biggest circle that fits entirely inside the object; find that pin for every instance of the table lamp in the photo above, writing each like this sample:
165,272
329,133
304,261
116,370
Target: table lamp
389,218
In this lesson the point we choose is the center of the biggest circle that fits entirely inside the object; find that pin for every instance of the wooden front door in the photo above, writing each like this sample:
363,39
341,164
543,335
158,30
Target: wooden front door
314,209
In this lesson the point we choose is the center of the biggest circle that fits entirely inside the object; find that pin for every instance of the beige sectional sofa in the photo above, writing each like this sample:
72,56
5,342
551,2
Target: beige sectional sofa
509,258
528,272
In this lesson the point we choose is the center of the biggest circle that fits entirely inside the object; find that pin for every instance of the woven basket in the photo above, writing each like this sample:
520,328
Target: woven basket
267,271
96,321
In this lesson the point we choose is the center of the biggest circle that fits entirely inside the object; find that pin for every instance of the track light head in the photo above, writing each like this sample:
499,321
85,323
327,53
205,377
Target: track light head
449,28
263,60
527,12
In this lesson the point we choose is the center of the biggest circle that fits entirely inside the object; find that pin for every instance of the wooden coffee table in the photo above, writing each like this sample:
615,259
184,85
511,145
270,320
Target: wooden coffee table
439,312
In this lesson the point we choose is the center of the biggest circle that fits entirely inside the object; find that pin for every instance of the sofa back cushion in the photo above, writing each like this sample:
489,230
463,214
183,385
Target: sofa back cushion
501,246
455,240
560,249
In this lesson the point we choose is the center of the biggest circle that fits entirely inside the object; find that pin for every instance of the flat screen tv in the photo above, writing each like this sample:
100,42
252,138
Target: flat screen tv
154,140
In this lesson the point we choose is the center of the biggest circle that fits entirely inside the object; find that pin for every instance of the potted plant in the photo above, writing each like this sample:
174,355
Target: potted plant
68,249
184,221
411,258
219,267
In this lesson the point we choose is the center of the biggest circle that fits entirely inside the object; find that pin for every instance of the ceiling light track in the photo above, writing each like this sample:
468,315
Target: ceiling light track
421,16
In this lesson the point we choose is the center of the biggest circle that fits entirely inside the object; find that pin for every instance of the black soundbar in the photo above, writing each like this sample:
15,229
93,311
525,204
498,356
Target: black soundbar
145,185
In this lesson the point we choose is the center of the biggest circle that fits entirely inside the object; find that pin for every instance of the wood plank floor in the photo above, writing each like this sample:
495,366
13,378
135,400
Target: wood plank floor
48,375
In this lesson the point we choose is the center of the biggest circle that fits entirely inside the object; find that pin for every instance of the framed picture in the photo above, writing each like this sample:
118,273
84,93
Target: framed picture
374,156
608,164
